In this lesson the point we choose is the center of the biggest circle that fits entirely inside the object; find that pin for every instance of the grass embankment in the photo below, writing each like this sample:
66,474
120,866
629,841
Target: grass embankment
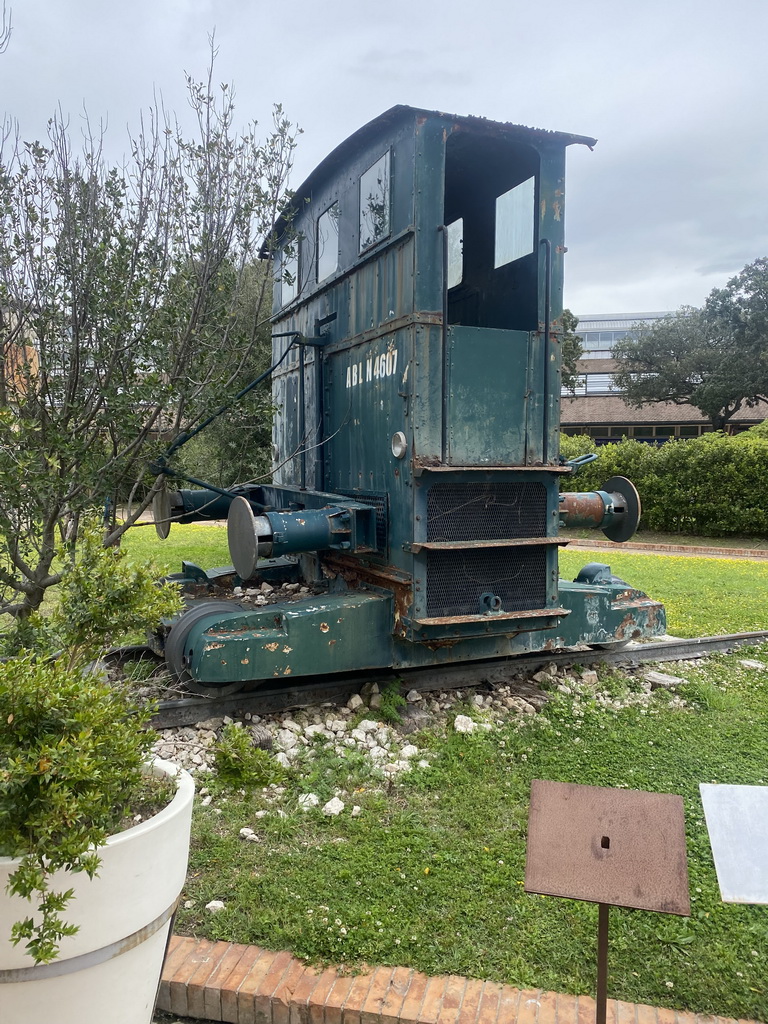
430,875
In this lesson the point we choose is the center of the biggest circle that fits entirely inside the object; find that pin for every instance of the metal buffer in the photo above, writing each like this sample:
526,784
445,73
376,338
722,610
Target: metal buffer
614,509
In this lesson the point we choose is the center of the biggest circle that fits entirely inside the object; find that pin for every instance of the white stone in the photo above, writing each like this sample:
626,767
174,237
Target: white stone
266,588
338,725
307,800
356,811
245,832
413,696
749,663
409,751
589,677
214,906
355,702
314,730
282,759
423,764
211,723
464,724
383,737
367,725
287,739
379,753
188,904
333,807
661,680
358,735
288,723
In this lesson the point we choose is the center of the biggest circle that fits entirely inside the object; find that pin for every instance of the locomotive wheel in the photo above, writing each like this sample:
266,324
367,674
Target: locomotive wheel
176,654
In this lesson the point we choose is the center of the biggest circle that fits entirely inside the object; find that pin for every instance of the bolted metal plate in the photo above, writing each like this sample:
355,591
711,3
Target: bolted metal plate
617,846
737,821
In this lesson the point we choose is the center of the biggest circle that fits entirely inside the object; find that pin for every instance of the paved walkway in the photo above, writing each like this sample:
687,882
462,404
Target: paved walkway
223,981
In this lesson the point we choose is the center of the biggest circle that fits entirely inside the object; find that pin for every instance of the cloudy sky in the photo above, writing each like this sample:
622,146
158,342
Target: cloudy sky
671,203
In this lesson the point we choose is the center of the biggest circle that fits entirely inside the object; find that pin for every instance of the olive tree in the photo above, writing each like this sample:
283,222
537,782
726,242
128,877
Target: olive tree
128,312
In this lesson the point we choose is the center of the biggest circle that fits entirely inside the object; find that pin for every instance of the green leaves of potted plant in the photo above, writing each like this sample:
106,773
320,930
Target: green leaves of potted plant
89,873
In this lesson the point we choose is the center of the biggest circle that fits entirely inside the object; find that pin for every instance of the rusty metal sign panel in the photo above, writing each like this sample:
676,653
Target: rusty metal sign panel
616,846
737,821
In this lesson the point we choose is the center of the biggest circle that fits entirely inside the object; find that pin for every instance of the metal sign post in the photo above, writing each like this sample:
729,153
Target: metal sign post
619,847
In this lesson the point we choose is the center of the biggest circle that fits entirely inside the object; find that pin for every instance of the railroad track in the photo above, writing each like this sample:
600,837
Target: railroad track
269,700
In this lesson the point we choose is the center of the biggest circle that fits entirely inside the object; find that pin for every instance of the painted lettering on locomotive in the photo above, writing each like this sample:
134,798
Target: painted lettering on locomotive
416,377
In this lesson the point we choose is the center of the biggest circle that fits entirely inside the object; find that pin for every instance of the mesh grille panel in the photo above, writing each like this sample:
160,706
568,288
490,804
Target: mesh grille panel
457,579
379,500
486,511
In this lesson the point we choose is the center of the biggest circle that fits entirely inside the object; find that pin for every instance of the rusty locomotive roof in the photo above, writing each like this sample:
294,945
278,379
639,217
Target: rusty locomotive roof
387,123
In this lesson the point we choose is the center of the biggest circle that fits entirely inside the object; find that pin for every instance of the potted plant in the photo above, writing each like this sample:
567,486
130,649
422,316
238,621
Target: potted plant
93,836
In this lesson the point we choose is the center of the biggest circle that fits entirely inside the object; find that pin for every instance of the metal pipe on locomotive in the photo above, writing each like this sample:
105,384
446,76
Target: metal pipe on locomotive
416,377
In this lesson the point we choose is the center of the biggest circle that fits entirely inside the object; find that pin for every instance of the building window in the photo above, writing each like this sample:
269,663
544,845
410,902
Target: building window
515,223
374,203
328,243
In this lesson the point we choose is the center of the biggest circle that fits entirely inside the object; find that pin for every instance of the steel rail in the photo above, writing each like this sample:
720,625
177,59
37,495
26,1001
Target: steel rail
269,700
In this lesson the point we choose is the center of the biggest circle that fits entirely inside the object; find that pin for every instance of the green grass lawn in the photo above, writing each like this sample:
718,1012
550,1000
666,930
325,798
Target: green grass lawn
201,543
430,875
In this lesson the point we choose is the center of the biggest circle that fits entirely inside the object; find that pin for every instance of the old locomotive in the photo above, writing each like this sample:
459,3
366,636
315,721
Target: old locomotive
416,342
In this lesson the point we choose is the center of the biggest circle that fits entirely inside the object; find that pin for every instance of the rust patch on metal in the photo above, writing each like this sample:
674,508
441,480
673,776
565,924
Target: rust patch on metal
585,506
324,627
287,650
271,647
213,647
354,573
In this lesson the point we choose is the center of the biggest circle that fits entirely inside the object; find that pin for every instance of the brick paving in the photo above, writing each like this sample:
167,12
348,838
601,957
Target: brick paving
224,981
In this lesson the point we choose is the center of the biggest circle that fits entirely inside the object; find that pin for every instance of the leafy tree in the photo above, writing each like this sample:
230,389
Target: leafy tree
129,311
571,349
713,358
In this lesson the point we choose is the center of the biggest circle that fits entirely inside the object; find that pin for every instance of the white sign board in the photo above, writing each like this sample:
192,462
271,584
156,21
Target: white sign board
737,820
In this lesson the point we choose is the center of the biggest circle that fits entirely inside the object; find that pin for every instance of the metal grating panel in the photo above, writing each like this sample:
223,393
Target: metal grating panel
486,511
378,500
456,580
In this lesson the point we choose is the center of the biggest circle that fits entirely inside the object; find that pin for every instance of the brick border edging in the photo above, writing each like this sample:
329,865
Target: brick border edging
224,981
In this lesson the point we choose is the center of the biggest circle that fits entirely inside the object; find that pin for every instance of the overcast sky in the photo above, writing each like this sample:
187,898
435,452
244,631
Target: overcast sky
672,202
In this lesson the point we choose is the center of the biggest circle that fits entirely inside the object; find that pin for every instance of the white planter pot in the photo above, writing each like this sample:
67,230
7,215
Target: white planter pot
108,972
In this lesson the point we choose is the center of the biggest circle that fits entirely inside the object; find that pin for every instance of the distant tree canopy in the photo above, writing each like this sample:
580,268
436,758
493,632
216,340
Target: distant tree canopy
714,358
132,306
571,349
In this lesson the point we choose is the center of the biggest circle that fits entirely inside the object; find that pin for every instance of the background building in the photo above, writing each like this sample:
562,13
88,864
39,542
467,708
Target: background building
597,409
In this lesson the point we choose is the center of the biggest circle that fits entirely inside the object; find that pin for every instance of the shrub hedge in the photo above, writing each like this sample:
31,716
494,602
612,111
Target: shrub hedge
714,485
